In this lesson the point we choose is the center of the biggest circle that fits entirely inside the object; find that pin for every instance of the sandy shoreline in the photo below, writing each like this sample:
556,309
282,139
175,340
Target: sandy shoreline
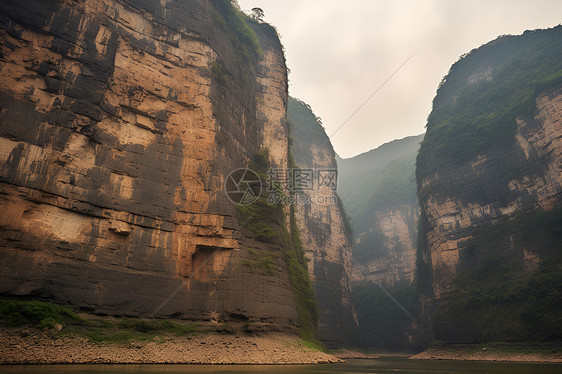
18,346
208,348
468,353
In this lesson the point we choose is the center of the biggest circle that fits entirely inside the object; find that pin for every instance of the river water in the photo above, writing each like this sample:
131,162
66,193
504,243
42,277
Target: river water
385,365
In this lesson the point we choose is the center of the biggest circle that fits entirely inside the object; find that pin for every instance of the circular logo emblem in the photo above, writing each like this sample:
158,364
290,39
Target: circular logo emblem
242,186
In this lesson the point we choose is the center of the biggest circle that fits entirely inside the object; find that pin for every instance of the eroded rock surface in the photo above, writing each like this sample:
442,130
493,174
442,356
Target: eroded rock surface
321,224
116,136
479,205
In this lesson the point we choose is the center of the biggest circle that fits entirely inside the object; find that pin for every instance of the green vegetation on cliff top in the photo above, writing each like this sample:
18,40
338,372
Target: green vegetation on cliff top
305,126
477,103
235,25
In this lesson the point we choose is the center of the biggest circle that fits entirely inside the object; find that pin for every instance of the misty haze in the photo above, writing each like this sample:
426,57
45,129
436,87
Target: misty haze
367,187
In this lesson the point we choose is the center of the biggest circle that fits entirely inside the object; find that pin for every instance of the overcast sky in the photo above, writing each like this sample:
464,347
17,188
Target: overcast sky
341,52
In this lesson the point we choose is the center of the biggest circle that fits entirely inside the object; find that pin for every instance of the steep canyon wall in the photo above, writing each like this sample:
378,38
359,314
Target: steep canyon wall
119,123
490,180
322,225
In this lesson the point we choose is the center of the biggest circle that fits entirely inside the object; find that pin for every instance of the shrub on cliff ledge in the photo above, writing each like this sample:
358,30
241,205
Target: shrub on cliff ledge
260,217
36,313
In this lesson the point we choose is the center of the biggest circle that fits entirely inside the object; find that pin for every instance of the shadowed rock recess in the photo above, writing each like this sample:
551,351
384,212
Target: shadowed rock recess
489,175
119,123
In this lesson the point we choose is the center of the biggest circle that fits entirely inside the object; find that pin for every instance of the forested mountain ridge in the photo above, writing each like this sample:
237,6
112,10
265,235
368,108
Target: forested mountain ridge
379,192
381,178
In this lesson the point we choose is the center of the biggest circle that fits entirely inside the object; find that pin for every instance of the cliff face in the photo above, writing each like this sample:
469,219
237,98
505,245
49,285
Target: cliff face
392,262
320,220
490,181
379,192
120,121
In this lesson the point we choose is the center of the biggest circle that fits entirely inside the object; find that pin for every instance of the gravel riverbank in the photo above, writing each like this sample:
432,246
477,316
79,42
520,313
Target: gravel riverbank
208,348
470,353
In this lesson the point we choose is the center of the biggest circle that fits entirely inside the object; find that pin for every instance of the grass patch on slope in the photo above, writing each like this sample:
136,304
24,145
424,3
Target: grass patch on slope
38,314
62,320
